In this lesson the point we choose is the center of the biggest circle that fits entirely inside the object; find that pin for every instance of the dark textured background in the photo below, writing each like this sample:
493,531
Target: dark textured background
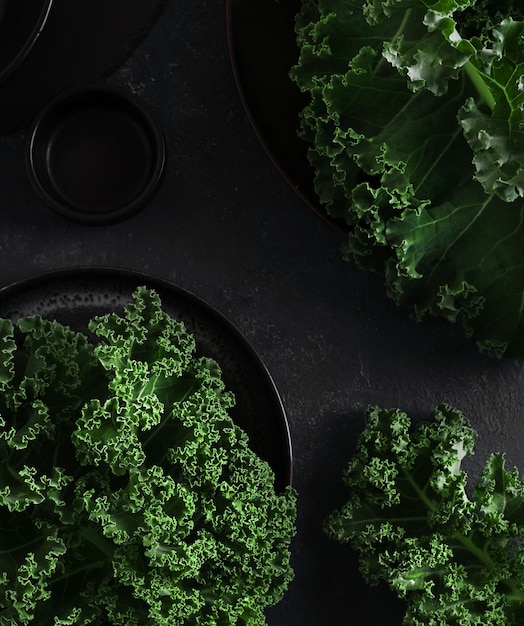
226,226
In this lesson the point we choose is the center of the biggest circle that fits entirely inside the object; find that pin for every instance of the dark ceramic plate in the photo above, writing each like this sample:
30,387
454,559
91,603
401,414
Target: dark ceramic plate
74,296
262,48
21,21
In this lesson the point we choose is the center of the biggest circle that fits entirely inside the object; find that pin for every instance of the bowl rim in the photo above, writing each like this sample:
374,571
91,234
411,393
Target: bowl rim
81,94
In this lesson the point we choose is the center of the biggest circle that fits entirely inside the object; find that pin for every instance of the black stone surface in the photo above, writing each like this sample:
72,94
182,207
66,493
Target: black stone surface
226,226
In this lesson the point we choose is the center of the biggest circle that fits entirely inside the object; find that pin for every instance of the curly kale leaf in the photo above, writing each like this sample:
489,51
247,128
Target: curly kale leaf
457,559
127,494
415,125
47,372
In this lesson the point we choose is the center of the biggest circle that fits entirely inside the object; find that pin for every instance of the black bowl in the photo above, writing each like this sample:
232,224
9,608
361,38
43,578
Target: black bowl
95,154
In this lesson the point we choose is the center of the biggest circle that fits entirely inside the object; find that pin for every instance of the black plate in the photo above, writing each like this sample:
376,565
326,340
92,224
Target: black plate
262,47
74,296
21,21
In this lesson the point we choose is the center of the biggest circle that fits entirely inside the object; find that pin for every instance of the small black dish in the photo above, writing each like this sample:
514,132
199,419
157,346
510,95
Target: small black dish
95,154
20,25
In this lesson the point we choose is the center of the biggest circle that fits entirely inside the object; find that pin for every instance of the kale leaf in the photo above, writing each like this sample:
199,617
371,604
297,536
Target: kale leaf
415,126
127,494
453,551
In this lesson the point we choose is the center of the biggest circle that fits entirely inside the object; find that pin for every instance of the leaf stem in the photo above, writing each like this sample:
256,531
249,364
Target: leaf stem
481,555
471,546
484,91
466,541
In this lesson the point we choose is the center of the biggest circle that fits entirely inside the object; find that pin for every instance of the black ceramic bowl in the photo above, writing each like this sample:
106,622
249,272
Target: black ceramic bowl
95,154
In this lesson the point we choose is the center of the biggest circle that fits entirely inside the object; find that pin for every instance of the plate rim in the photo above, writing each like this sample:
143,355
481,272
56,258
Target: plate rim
18,58
295,185
230,36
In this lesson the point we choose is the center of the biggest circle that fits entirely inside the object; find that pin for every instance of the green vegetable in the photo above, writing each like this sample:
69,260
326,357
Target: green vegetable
127,494
454,551
416,131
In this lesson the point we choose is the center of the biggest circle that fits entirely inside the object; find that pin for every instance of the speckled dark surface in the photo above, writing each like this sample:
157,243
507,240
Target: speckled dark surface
226,226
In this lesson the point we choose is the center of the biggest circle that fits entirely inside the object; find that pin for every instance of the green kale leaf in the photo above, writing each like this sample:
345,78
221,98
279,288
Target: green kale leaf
128,496
415,127
454,552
